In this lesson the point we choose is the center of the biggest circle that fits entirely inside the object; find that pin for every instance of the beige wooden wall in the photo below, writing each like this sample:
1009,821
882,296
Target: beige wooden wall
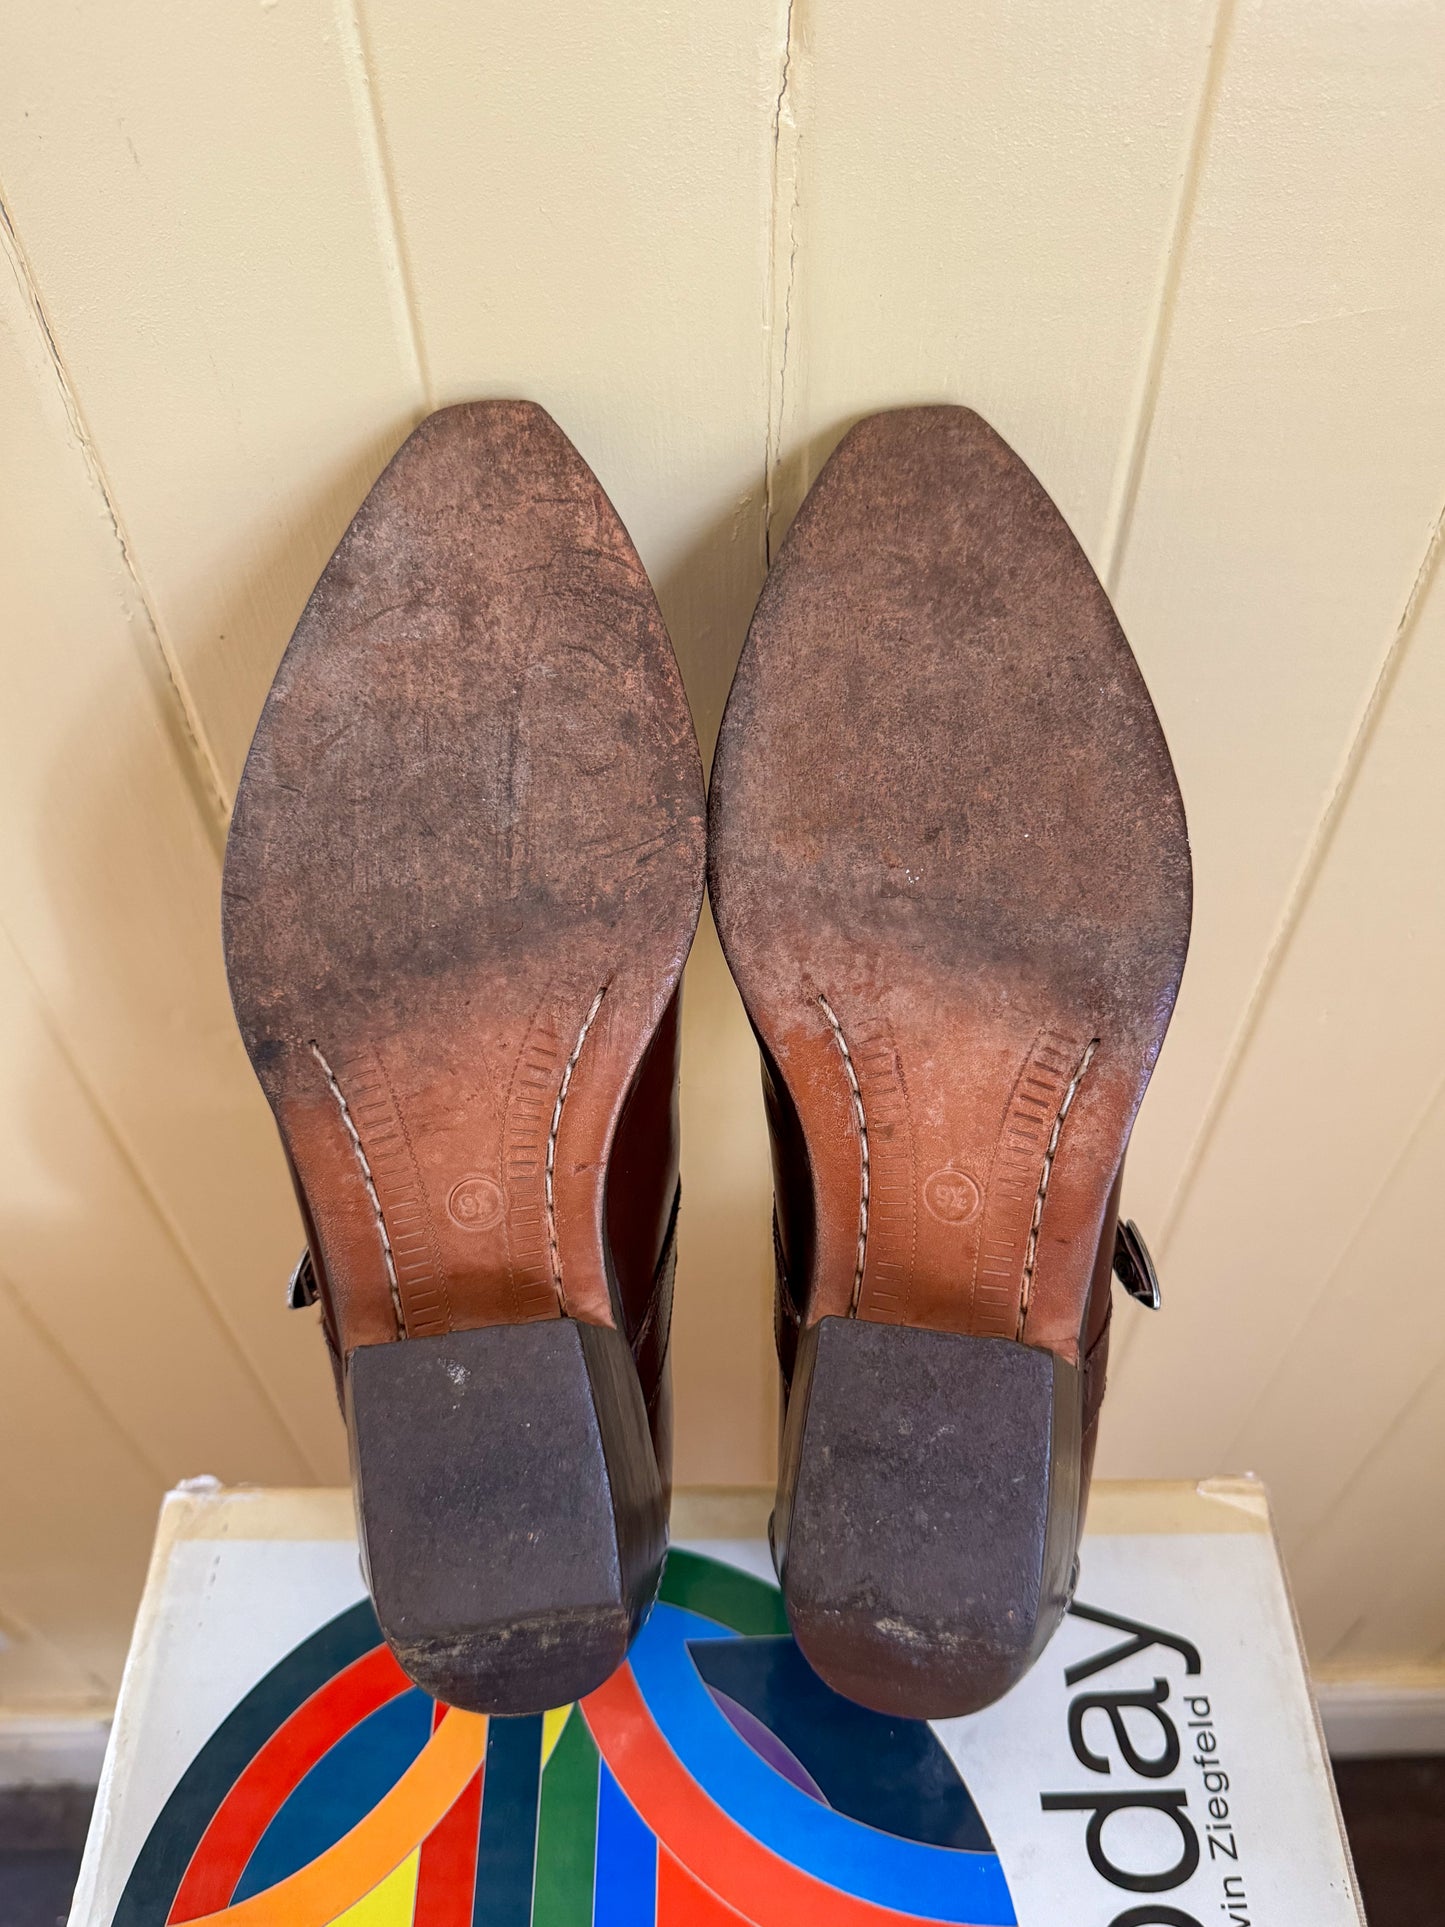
1186,256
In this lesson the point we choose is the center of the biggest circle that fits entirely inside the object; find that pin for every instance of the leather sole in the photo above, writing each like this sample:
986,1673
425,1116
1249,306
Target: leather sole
463,874
950,872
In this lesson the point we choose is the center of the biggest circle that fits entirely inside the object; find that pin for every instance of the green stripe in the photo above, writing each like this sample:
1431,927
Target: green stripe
734,1599
567,1830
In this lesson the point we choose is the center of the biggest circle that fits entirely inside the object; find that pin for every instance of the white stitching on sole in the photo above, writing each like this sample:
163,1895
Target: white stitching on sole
551,1159
1031,1254
370,1187
863,1140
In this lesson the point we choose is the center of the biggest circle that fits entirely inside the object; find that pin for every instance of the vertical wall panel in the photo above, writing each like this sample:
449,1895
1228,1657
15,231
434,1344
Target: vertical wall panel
725,1367
196,191
1371,1581
109,893
96,1269
192,200
77,1507
36,1676
977,205
1291,479
1359,1351
1303,1178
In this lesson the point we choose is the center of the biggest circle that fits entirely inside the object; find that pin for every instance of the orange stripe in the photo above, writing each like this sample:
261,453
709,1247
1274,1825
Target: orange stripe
395,1827
447,1877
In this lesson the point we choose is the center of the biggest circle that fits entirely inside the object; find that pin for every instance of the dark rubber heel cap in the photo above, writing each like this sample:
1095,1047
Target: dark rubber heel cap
510,1508
928,1512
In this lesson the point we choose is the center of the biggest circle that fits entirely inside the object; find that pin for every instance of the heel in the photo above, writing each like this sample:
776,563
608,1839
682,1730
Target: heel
510,1507
928,1511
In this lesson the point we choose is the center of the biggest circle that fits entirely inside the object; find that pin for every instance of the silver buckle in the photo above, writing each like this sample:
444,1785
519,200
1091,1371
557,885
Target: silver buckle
301,1287
1133,1266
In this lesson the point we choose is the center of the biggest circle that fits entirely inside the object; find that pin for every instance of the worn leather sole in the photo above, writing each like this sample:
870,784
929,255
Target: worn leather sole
463,874
950,871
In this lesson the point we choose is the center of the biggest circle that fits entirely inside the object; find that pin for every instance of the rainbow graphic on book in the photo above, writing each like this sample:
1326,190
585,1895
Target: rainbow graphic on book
713,1780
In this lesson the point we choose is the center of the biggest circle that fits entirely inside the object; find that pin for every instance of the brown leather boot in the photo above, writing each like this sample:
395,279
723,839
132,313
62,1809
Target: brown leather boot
462,878
950,871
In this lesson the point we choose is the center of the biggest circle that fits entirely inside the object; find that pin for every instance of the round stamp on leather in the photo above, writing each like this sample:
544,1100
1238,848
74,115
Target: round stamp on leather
475,1204
952,1196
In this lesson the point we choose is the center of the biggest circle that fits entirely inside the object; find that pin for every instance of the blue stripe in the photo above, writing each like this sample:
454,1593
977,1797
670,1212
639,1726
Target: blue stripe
892,1774
507,1844
626,1892
939,1883
340,1790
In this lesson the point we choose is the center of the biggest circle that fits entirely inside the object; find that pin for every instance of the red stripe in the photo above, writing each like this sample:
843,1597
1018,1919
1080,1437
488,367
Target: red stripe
446,1881
685,1902
749,1877
276,1771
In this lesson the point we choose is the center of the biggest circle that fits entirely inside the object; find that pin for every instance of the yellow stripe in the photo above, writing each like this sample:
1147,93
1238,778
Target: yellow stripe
552,1724
389,1905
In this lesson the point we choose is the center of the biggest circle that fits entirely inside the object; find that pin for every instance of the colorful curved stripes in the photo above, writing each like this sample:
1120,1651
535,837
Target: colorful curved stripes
274,1774
348,1871
904,1877
170,1846
719,1854
646,1805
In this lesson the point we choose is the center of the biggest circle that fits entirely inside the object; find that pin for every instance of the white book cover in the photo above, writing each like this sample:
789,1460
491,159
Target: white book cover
1161,1766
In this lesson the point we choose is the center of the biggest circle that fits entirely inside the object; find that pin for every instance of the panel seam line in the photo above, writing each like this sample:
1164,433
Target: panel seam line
780,285
200,760
1125,494
71,1369
1308,874
152,1199
1307,1312
381,182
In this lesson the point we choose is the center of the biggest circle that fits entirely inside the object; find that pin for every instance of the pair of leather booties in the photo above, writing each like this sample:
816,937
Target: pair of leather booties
949,866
